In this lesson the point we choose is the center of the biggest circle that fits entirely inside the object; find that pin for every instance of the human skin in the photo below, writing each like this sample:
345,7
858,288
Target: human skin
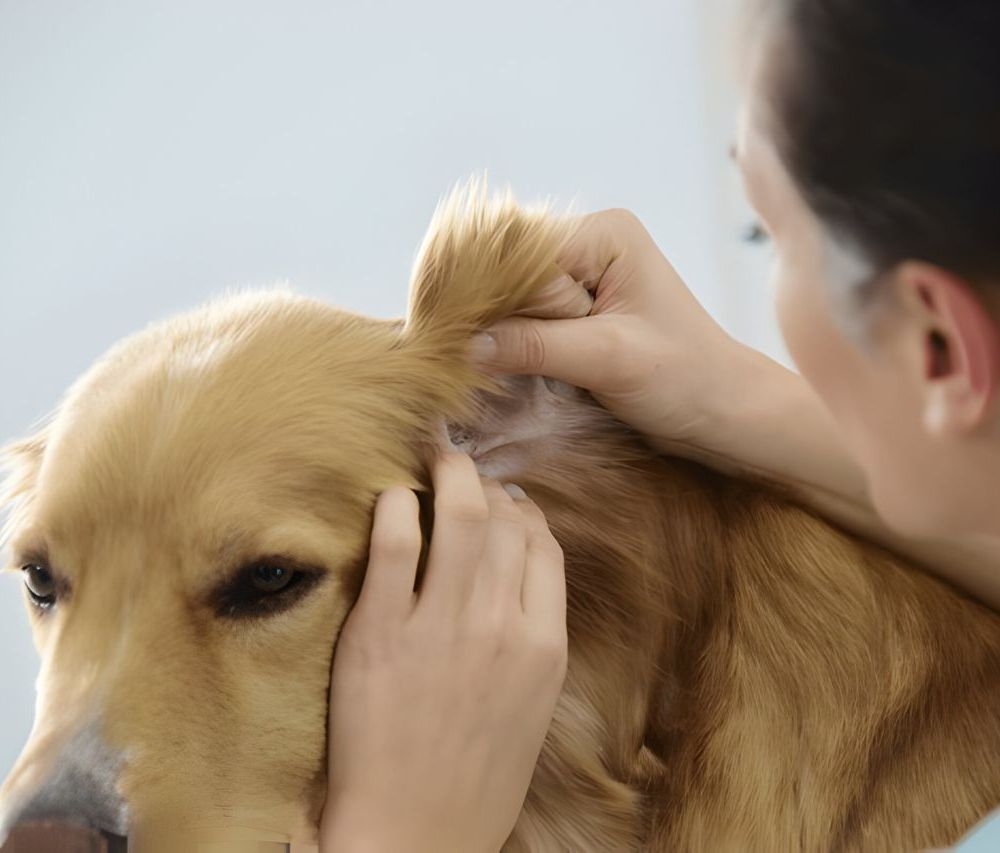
440,700
867,433
927,439
863,433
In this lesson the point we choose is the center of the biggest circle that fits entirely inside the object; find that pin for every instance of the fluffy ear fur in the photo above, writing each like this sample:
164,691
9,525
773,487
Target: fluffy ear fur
483,259
20,462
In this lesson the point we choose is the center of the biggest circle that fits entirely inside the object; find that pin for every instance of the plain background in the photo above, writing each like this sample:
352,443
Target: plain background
155,153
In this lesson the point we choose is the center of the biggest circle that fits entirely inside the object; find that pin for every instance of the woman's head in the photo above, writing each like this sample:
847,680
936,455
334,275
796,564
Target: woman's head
870,145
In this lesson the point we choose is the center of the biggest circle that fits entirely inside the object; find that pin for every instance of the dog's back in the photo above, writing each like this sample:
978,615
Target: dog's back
742,676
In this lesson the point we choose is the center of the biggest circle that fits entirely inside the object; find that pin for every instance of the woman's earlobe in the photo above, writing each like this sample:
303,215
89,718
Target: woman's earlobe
949,409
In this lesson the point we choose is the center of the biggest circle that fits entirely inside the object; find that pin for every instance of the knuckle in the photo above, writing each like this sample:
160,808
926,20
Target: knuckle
360,641
535,522
508,512
551,649
449,458
493,489
565,297
395,543
548,552
532,346
398,492
614,343
533,515
614,349
462,511
553,550
621,218
488,633
394,503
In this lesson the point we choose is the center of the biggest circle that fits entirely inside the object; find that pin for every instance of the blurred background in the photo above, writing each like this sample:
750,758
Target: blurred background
154,153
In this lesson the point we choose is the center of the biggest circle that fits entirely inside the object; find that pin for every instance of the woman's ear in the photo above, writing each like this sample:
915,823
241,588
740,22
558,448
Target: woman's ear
960,341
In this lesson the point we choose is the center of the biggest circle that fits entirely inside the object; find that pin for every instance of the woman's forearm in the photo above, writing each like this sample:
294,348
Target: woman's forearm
775,428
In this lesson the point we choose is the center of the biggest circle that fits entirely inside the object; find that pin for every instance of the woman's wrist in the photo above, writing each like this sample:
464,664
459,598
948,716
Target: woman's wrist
762,420
789,436
354,827
345,832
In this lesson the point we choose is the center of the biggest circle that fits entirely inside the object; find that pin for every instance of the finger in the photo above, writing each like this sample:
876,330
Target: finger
393,554
501,574
561,298
596,243
543,593
461,522
576,351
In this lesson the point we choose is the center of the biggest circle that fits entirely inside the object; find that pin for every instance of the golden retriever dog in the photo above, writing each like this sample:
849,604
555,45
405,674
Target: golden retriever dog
192,526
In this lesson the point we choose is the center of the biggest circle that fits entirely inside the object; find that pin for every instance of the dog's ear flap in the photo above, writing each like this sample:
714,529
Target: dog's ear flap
20,462
483,259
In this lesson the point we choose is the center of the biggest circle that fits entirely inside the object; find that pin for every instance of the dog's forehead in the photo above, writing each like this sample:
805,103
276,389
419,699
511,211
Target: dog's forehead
175,426
209,495
302,406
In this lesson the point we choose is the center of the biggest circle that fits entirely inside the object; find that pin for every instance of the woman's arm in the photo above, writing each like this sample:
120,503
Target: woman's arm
781,432
632,333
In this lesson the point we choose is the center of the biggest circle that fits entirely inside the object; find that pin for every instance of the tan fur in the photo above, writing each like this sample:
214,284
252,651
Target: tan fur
741,676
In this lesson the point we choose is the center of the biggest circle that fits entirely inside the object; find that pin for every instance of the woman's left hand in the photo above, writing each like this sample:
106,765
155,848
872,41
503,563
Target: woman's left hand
440,701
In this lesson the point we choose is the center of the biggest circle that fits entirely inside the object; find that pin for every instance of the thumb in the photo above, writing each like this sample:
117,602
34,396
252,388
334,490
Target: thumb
574,351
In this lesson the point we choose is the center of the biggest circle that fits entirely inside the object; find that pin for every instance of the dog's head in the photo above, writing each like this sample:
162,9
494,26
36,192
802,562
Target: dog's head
192,526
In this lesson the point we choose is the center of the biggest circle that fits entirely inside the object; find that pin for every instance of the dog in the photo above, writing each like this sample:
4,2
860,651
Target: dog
741,676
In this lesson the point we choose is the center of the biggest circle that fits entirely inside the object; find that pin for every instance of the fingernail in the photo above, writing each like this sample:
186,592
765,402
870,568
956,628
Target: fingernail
514,490
484,347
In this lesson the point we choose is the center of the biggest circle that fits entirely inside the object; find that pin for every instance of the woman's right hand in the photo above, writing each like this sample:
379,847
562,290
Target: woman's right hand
647,351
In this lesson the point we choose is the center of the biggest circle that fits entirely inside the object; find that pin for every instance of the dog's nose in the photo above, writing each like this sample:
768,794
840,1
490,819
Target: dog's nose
59,838
80,790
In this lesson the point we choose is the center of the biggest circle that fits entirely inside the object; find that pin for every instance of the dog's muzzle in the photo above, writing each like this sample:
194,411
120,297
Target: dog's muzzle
79,791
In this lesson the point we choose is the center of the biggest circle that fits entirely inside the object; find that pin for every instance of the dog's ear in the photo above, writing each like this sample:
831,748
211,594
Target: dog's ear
20,462
483,259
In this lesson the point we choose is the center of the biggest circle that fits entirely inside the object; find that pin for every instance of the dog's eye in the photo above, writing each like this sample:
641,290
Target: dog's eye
270,578
41,585
263,588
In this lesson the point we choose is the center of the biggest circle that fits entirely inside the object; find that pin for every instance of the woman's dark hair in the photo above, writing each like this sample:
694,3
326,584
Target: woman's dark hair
887,116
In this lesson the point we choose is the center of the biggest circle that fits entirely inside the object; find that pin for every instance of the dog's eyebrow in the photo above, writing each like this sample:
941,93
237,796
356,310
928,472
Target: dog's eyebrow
26,551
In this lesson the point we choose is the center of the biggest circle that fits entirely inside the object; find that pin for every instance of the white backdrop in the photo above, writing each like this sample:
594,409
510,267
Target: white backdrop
152,153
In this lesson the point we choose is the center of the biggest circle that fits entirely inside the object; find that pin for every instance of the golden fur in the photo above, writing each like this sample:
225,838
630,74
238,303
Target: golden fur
741,675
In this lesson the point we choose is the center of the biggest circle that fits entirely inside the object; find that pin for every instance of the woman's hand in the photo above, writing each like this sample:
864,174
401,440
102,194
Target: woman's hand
440,700
648,351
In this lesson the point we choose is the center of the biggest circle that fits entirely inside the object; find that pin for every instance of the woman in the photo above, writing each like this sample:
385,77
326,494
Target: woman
869,144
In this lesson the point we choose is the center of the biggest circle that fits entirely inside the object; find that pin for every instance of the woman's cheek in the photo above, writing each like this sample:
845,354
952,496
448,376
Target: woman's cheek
822,354
797,322
867,405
